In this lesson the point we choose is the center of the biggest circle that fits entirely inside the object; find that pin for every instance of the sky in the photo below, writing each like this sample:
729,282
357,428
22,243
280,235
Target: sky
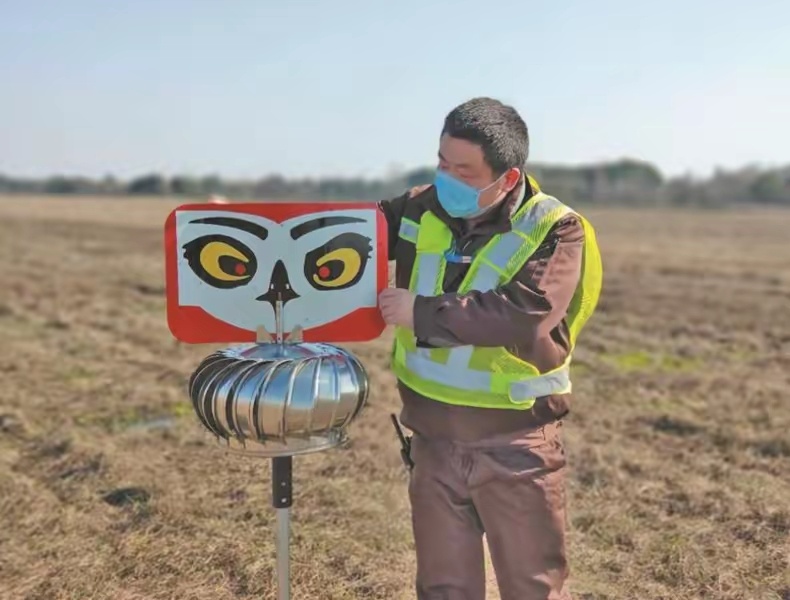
355,88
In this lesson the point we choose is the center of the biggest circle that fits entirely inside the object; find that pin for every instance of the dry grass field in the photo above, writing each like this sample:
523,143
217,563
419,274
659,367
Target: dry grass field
679,444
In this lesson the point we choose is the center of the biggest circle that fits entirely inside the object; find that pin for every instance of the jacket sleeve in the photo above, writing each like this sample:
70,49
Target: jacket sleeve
393,210
516,314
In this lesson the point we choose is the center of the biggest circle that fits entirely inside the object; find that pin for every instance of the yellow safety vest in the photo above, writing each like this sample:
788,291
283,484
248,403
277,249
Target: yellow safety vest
490,377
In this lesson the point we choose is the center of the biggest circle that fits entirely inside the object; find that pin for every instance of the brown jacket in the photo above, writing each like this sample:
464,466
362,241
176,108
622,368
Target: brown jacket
527,315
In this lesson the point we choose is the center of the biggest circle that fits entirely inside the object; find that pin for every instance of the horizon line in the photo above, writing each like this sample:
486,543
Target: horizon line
394,171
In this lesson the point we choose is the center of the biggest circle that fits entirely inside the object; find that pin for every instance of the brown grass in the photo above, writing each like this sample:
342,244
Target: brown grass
679,445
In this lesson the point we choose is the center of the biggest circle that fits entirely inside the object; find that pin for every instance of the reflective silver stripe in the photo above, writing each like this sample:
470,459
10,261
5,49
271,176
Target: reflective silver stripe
459,357
544,385
427,273
451,375
504,249
480,381
535,214
487,277
408,230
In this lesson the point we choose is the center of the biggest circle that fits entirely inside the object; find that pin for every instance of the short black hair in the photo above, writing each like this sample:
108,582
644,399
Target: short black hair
496,127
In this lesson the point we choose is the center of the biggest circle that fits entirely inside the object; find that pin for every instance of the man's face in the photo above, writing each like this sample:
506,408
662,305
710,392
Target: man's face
465,161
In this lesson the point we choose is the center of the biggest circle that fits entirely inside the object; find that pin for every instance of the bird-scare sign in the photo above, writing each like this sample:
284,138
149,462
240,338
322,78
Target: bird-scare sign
226,267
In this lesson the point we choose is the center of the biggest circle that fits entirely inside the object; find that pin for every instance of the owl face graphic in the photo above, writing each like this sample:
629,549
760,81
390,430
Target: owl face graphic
324,263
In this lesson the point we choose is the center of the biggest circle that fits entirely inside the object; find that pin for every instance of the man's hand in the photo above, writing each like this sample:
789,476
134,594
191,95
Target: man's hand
397,307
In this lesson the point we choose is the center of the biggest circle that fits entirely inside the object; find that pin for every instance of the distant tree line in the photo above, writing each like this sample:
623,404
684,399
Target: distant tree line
625,182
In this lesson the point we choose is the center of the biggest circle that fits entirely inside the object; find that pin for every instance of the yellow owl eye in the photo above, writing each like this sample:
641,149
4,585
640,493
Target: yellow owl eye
337,268
220,261
224,262
338,264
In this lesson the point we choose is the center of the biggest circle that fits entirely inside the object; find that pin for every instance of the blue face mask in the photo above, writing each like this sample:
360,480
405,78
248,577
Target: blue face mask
459,199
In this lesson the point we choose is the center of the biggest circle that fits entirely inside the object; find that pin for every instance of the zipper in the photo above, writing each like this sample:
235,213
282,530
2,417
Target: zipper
457,254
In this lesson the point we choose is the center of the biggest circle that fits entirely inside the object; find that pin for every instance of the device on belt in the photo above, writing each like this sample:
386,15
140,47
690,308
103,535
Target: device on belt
405,444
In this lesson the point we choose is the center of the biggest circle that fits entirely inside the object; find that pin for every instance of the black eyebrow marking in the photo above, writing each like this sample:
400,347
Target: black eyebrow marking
257,230
318,223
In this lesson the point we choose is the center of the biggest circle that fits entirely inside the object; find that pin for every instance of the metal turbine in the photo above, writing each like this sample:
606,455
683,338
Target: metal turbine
277,399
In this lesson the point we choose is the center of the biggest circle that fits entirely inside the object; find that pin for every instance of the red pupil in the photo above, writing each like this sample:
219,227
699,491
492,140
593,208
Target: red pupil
240,269
324,272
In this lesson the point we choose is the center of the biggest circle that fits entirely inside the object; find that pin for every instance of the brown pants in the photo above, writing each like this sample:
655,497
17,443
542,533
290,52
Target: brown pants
513,490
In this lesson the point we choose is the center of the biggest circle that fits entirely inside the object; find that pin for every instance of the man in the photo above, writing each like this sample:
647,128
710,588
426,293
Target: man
494,280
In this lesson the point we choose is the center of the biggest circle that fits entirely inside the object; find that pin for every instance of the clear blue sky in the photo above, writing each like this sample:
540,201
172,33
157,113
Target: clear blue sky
356,87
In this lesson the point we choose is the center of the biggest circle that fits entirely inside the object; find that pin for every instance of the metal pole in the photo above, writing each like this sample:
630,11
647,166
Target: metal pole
278,321
283,558
282,498
282,483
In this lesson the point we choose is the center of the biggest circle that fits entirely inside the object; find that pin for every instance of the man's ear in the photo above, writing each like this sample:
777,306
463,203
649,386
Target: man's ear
512,178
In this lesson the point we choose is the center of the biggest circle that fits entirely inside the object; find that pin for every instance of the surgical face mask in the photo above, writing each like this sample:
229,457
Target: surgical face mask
460,199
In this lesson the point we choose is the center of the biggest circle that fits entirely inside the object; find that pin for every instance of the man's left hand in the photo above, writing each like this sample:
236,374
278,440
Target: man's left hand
397,307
